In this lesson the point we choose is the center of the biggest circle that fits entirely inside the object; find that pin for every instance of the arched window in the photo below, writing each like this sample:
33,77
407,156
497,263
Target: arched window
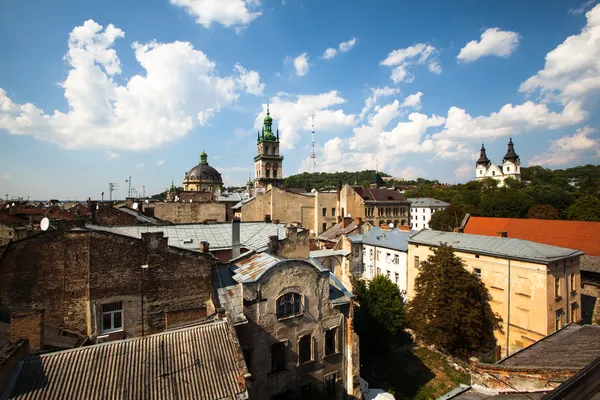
275,166
268,170
288,305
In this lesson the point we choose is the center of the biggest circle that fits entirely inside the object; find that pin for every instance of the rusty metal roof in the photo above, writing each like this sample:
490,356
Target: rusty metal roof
201,362
249,269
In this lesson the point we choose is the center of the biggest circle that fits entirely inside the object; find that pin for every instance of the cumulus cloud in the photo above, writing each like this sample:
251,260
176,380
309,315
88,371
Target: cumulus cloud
571,70
376,93
464,171
581,9
140,166
292,115
342,48
413,100
160,162
229,13
301,64
568,149
152,108
494,42
402,61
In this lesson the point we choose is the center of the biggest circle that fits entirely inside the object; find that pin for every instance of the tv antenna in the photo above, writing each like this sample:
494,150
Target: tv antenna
129,189
111,188
313,155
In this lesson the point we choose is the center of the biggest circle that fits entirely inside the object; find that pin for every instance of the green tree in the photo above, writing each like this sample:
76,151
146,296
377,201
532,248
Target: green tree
587,208
506,203
447,219
555,195
543,211
379,315
451,307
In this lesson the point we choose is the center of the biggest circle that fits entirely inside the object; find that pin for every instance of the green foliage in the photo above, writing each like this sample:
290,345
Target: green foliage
543,211
451,307
379,316
447,219
506,203
587,208
319,180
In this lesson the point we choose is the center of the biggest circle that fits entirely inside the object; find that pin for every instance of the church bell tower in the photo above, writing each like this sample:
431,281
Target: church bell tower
268,164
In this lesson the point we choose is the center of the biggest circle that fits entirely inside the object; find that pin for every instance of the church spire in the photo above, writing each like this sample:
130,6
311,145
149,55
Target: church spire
510,153
483,160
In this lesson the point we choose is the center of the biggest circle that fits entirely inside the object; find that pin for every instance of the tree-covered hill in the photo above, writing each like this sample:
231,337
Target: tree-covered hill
319,180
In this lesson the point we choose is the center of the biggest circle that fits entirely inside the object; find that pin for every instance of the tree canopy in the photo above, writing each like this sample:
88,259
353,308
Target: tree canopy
586,208
451,307
543,211
447,219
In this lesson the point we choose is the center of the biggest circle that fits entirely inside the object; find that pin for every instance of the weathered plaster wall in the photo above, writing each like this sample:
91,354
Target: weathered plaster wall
186,213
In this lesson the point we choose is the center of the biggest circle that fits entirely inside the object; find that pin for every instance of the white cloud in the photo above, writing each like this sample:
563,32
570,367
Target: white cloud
581,9
464,171
403,59
568,148
376,93
150,109
409,173
160,162
413,100
494,42
112,154
140,166
572,70
228,13
329,53
291,114
301,64
4,176
250,80
346,46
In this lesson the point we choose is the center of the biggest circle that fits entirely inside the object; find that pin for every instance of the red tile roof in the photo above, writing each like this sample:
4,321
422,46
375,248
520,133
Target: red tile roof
580,235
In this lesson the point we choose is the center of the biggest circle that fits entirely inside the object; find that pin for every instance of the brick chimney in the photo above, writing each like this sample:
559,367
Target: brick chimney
502,234
339,219
28,325
235,238
204,246
274,245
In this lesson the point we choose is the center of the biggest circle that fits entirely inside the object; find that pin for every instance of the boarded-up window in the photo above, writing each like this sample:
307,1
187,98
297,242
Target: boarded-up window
330,341
304,349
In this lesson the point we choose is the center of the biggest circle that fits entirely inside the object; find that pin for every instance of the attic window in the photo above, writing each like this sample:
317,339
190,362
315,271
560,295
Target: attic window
390,198
187,241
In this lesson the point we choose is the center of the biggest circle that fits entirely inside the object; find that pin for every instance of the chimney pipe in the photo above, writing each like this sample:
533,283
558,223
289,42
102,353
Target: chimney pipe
204,246
235,238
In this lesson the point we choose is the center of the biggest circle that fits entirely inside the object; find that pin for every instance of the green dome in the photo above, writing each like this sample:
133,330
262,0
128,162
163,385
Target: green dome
268,118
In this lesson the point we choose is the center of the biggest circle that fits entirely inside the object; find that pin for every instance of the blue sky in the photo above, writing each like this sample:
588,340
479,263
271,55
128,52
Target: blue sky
95,92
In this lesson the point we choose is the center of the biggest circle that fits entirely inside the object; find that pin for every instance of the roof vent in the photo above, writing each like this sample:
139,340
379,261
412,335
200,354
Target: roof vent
187,241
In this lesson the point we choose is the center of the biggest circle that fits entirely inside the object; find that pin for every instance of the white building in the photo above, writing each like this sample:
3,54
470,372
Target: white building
421,210
383,252
510,168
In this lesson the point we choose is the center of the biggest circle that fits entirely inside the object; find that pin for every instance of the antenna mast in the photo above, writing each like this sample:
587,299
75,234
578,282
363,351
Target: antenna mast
129,190
313,155
111,188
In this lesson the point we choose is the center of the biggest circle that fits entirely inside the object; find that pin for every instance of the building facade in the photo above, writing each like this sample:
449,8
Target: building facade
202,178
510,167
268,163
422,209
535,288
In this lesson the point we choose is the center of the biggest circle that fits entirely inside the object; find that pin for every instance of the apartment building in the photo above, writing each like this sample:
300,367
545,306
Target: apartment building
535,288
422,209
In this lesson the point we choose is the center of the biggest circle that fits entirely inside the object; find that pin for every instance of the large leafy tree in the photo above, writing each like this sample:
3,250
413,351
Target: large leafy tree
447,219
587,208
451,307
506,203
543,211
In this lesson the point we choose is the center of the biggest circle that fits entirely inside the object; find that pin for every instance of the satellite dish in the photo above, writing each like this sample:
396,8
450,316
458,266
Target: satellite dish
13,204
391,225
135,206
44,224
147,202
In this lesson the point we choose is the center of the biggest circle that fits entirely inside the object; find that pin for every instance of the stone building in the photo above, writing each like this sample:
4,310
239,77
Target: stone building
535,288
294,322
203,178
377,206
268,163
105,286
510,167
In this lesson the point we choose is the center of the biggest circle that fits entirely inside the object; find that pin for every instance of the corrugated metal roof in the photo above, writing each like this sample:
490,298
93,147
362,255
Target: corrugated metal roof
426,202
249,269
328,253
394,239
201,362
495,246
253,235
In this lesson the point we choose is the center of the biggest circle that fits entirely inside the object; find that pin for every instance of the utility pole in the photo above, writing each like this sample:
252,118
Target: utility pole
6,197
129,190
111,188
143,191
102,194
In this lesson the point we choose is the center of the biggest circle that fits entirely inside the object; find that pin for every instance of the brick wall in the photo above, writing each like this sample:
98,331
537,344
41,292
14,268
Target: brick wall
28,325
109,216
71,274
185,213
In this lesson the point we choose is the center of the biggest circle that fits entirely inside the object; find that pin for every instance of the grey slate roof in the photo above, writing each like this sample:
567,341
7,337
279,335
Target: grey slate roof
200,362
574,346
517,249
140,217
426,202
230,197
328,253
394,239
253,235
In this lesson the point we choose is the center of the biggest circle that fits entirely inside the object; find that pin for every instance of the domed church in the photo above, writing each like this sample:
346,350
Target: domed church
203,178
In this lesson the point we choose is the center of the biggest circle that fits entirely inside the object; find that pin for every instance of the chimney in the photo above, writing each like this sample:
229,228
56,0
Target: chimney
28,325
274,245
339,219
502,234
89,203
204,246
11,209
235,238
358,221
267,218
344,219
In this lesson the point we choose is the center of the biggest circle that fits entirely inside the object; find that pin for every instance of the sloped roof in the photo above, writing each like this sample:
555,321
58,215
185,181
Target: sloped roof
250,268
139,217
426,202
203,361
517,249
369,194
388,238
334,232
253,235
580,235
328,253
12,220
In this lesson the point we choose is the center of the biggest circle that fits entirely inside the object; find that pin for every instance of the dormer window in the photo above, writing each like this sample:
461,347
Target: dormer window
507,169
288,305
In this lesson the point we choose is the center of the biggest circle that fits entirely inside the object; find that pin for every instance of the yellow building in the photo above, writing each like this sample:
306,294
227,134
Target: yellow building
202,178
535,288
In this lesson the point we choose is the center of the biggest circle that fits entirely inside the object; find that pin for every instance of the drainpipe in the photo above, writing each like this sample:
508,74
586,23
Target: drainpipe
508,316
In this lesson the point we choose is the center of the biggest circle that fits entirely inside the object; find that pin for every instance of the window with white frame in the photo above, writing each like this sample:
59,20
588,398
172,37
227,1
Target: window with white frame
396,259
112,317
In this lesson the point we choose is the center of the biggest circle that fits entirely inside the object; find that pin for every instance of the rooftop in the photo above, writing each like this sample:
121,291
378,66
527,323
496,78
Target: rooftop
578,235
253,235
517,249
231,197
334,232
328,253
574,346
203,361
388,238
369,194
426,202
